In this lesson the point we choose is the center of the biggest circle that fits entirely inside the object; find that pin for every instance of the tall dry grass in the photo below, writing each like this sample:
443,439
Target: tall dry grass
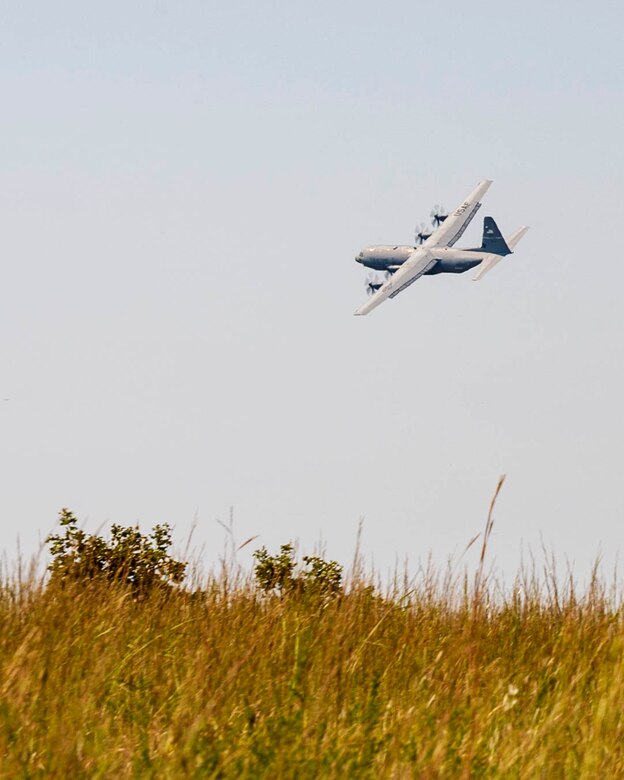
443,676
430,682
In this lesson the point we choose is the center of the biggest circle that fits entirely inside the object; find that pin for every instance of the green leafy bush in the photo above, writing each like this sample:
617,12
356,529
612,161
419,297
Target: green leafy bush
130,557
279,573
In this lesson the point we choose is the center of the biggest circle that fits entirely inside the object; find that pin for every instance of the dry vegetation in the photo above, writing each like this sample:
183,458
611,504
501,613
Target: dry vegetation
431,680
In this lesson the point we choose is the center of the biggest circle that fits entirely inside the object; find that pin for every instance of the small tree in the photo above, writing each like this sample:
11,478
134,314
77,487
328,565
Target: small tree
275,572
321,576
130,557
278,573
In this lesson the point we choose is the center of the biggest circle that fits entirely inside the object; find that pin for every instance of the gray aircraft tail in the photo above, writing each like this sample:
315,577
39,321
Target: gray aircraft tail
493,242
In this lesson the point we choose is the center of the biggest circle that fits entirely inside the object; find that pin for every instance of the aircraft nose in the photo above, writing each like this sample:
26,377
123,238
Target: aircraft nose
359,258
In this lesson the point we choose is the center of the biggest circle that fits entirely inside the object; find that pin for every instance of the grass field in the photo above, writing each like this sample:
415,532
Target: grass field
434,679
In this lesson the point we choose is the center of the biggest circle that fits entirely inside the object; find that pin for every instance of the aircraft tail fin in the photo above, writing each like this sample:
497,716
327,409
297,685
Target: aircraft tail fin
493,242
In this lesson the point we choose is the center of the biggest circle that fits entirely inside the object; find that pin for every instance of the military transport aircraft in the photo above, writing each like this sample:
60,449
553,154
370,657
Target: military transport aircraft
434,253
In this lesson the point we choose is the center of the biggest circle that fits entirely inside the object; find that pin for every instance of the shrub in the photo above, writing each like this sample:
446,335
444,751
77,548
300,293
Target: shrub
278,573
130,557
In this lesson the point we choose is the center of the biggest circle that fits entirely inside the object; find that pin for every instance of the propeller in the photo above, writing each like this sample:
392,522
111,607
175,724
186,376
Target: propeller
438,215
422,233
374,282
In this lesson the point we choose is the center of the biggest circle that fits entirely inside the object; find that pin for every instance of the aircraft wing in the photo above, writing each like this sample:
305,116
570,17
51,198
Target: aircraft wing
457,221
418,263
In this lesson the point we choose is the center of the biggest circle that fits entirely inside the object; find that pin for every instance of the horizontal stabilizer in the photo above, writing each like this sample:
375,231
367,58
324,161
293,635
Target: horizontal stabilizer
513,239
488,262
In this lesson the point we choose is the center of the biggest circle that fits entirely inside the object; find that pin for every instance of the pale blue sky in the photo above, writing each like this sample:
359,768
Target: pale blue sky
185,186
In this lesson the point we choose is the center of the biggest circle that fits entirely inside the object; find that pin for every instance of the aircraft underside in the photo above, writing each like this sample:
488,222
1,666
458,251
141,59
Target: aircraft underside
450,267
441,266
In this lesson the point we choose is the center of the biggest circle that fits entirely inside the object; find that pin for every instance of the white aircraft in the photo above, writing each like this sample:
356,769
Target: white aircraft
435,255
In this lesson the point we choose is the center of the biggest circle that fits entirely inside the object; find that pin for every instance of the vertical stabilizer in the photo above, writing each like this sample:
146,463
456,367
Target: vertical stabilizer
493,242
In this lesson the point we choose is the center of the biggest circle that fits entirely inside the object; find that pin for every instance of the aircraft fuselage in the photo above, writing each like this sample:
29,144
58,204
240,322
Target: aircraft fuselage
390,258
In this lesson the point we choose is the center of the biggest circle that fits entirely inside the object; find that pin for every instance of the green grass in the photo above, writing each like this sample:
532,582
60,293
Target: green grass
429,681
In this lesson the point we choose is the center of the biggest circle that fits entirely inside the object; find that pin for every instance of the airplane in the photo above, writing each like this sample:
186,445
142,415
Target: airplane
403,265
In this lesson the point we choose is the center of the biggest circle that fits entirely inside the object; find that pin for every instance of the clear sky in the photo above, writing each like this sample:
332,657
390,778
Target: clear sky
184,188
